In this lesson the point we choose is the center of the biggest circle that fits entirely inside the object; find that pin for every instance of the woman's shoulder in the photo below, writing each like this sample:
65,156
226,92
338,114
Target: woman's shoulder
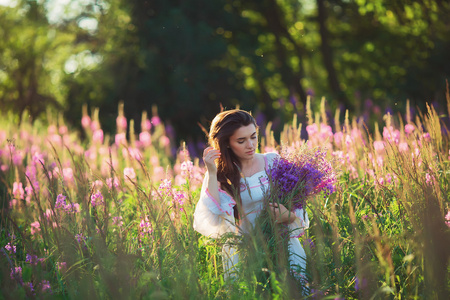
270,157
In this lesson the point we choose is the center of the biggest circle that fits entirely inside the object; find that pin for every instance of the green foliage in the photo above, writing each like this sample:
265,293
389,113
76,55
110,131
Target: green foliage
187,58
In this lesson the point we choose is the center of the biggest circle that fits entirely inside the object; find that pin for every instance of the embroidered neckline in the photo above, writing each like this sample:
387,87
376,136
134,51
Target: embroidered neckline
265,168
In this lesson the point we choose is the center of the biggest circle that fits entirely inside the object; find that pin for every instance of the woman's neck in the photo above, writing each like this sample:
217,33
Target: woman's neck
251,166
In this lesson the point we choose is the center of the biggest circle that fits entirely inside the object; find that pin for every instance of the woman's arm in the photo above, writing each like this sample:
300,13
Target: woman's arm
209,156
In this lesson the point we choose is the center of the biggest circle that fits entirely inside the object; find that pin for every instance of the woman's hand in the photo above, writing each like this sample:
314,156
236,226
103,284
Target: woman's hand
209,156
281,214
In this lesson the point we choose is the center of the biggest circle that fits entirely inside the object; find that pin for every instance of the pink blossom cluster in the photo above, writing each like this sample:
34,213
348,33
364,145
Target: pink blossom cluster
97,199
447,219
145,226
33,259
117,221
67,207
10,248
112,182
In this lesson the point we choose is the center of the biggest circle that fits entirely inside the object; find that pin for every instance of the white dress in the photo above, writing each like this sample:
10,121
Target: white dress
213,218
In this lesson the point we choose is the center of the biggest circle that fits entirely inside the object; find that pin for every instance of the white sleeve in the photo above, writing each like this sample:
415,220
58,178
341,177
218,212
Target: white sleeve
297,228
213,218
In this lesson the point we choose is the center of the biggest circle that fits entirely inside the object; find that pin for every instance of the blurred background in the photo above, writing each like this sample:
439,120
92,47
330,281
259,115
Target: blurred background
182,60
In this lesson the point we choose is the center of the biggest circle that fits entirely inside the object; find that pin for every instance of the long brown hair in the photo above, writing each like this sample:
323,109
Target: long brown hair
228,165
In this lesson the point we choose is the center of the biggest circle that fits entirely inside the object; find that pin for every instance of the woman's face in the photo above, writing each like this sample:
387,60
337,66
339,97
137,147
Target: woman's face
244,142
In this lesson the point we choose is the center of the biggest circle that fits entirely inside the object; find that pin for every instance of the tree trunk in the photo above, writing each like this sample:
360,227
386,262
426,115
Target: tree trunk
327,54
271,12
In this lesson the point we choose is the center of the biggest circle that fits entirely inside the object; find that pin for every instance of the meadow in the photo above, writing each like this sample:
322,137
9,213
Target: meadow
110,217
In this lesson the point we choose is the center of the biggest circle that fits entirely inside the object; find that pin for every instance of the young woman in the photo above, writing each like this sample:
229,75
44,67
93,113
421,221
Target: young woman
236,178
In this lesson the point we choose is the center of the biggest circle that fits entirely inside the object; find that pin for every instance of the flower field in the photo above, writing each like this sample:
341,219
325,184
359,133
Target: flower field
110,217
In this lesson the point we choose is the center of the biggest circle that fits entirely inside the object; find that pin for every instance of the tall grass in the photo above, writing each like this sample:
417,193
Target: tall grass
110,217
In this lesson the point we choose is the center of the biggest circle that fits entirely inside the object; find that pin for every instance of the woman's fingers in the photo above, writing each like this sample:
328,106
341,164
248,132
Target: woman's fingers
280,212
211,153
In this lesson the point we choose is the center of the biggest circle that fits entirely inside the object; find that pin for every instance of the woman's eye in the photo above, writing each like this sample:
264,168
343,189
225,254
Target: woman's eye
254,137
240,142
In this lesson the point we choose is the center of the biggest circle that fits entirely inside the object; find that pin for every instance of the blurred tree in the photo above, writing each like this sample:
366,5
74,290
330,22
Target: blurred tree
187,58
26,60
391,51
34,53
168,54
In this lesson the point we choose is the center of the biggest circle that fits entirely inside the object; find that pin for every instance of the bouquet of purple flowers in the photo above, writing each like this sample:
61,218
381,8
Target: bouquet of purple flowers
298,175
295,176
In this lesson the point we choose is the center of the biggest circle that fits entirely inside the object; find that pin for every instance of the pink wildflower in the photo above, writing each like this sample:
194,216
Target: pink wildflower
164,141
60,201
348,140
186,168
154,160
63,130
326,133
80,238
16,273
338,136
391,134
429,178
112,182
156,120
133,152
388,178
165,187
379,146
86,122
120,139
178,199
10,248
31,258
97,184
146,226
403,147
118,221
158,172
447,219
129,173
51,130
35,227
17,158
146,125
95,125
426,136
61,266
409,128
72,208
312,130
98,136
97,199
48,214
29,285
121,123
38,158
45,286
55,139
68,174
18,191
145,138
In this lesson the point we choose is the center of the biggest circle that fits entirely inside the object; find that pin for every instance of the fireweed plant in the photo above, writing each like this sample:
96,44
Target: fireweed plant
110,216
